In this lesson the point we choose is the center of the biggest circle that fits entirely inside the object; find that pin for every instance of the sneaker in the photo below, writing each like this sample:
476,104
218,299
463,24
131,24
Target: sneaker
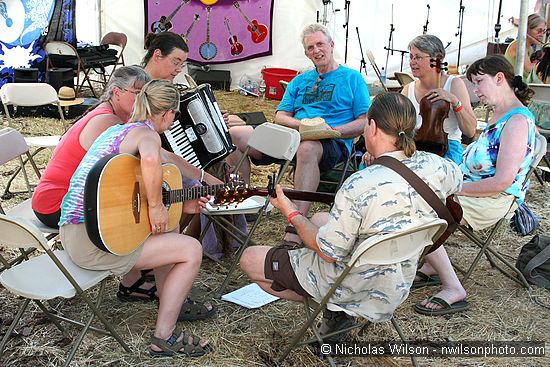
334,321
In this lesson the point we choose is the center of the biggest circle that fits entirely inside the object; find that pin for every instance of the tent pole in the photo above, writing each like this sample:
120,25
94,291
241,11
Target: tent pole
522,35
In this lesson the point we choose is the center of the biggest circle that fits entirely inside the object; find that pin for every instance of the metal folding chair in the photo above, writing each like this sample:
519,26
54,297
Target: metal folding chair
381,249
484,242
115,40
49,276
273,140
60,53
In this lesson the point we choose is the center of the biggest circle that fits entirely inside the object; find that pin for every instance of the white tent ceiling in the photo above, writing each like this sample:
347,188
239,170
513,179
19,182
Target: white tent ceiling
371,17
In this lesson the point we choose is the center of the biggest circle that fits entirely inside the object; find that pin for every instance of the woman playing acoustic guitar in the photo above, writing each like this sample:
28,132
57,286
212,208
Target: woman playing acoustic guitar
175,258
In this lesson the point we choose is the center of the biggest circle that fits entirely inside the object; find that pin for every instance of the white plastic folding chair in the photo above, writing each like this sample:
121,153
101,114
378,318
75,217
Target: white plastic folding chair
29,95
13,148
49,276
381,249
386,84
275,141
484,243
403,78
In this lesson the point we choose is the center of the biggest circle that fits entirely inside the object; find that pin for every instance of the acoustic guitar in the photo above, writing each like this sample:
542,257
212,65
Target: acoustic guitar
165,22
115,202
258,31
208,50
236,47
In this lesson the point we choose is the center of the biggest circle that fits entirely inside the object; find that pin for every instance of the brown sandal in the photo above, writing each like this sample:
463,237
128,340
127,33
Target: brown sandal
188,345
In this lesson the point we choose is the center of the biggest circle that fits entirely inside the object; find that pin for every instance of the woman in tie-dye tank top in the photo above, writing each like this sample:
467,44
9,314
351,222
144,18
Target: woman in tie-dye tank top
175,258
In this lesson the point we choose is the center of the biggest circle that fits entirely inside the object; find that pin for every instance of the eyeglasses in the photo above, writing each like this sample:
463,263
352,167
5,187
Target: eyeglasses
316,86
178,64
135,92
416,58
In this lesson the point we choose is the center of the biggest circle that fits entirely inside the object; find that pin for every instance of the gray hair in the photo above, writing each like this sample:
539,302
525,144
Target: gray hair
315,27
534,20
123,78
429,44
155,97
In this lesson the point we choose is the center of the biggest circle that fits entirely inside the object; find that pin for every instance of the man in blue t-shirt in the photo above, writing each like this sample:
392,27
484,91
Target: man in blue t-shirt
331,91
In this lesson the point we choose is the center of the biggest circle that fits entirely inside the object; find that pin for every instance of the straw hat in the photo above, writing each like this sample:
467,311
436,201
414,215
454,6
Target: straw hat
67,97
315,129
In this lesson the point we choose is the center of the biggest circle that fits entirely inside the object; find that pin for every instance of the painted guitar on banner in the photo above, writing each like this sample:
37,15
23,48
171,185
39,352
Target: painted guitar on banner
258,31
188,32
165,22
236,47
208,50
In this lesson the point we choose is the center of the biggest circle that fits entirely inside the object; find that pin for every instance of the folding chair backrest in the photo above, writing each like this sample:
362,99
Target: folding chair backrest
29,94
60,48
277,141
370,56
18,233
389,248
539,153
115,38
13,145
403,78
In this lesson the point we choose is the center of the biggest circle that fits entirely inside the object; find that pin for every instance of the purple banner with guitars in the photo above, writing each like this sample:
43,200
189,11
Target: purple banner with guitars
217,31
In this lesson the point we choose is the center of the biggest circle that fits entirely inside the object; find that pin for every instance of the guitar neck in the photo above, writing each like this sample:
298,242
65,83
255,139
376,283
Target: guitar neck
208,24
172,14
176,196
191,27
254,29
320,197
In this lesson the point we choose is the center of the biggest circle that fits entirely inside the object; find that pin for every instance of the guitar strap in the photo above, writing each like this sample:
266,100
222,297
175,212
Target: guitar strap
421,187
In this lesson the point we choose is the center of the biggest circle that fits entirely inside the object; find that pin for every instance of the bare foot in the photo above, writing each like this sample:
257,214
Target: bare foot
449,295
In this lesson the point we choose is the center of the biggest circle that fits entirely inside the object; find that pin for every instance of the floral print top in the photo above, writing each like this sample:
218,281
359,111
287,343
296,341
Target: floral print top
480,157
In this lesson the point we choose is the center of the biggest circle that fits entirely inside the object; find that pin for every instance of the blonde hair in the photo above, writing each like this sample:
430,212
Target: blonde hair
395,115
156,96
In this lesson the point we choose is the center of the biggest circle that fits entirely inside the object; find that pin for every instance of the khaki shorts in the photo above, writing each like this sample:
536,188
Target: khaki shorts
483,212
85,254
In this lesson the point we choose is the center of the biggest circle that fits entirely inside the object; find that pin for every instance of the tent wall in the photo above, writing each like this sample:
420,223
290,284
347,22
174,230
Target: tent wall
372,17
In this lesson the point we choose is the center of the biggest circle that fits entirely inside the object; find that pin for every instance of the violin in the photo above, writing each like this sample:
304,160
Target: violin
431,137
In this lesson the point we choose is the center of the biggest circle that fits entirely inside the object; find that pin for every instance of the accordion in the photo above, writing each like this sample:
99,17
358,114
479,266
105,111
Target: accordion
201,136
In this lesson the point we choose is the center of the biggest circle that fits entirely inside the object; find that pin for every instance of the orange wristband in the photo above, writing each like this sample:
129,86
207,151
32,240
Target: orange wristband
292,215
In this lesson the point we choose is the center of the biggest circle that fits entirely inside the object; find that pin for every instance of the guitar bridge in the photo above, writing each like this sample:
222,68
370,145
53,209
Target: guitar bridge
136,203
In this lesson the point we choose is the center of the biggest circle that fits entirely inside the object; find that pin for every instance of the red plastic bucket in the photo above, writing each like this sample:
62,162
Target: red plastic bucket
272,76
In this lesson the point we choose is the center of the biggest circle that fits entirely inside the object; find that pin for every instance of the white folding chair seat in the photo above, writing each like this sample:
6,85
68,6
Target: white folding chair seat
381,249
484,242
49,276
273,140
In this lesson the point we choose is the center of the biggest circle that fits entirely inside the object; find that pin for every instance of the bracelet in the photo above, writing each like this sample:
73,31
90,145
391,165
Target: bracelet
202,176
292,215
457,107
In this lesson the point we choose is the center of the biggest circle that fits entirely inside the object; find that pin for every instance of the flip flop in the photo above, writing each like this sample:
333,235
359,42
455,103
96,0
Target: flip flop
425,280
445,309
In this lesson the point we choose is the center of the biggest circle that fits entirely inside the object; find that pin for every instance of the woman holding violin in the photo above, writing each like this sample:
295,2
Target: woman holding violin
536,26
425,51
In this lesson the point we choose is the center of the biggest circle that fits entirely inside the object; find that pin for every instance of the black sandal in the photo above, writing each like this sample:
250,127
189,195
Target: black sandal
135,293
